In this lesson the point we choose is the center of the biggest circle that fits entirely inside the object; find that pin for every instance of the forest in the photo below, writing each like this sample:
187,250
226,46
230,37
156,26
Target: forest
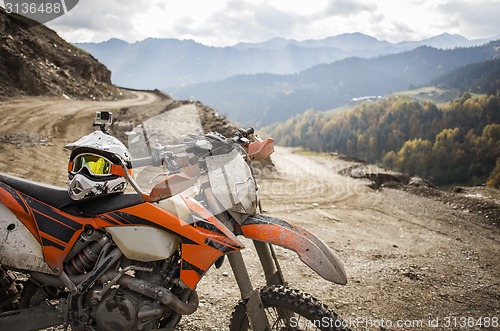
482,77
459,143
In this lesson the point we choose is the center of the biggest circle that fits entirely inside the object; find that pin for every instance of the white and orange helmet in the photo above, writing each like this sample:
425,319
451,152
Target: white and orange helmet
95,166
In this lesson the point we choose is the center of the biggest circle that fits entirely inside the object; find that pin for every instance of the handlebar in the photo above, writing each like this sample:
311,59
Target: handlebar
192,152
215,141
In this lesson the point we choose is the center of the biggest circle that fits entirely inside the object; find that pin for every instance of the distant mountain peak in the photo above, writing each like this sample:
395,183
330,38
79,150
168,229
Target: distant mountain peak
442,41
355,35
116,41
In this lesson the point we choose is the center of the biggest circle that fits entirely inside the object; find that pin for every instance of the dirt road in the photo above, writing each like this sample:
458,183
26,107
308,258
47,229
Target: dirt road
409,258
33,132
413,262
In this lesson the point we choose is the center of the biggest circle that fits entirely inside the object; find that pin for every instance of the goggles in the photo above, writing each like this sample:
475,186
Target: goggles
96,165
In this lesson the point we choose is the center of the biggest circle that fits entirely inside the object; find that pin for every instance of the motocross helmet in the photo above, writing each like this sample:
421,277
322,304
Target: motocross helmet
95,166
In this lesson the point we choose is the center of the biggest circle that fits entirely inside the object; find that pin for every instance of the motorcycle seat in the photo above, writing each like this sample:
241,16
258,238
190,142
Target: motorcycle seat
59,198
49,194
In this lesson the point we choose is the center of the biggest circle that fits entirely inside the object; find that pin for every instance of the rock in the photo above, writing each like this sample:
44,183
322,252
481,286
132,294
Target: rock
420,182
378,176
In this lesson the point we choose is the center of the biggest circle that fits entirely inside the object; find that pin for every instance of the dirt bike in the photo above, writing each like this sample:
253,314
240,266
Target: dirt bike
133,260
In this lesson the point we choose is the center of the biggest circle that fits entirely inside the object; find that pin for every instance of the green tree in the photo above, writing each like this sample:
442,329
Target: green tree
415,157
494,180
448,156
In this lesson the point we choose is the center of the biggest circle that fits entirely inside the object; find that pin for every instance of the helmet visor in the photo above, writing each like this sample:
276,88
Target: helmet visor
95,164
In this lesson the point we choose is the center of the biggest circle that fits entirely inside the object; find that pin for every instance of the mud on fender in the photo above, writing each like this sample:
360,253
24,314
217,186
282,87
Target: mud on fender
311,250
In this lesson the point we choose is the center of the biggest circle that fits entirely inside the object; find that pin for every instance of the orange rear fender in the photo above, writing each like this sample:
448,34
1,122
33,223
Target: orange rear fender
311,250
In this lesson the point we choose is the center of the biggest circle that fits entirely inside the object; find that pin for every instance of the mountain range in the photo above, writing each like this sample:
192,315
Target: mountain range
167,63
263,99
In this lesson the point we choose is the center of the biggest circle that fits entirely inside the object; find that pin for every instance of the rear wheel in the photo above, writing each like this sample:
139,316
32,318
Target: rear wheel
289,309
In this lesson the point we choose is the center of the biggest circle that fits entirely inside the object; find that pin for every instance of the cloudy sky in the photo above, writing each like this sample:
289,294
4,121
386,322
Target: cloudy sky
226,22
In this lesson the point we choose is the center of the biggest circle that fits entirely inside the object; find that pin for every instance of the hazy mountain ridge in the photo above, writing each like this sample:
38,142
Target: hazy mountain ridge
159,63
164,63
347,42
266,98
359,41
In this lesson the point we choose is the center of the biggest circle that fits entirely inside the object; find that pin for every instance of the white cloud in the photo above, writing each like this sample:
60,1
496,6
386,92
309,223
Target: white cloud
474,17
226,22
349,7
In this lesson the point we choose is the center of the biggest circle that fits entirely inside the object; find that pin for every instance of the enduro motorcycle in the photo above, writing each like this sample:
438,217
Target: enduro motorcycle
133,260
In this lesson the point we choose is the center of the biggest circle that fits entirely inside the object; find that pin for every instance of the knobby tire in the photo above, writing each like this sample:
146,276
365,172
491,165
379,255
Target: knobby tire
289,309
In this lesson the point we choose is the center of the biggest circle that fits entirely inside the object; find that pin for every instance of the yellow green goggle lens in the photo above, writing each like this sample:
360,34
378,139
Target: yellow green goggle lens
96,164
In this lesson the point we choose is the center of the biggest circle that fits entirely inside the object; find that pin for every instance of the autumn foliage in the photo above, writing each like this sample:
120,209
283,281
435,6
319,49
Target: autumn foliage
459,143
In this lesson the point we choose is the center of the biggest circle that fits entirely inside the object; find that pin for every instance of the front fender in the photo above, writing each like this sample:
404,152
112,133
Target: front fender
311,250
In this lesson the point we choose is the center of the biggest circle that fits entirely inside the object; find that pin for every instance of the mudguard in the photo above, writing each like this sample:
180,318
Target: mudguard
311,250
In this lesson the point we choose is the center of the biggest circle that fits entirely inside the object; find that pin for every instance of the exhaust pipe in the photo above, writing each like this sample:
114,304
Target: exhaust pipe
161,294
150,290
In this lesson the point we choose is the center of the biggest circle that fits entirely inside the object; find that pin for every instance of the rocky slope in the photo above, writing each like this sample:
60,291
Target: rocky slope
35,61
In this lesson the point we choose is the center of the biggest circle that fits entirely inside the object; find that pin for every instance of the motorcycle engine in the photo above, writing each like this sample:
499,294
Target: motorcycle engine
120,309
